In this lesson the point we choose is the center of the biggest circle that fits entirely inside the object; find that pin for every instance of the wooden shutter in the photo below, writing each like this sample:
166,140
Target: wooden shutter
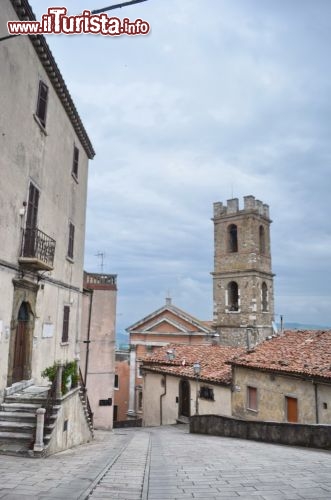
42,103
292,409
252,398
71,240
65,329
75,161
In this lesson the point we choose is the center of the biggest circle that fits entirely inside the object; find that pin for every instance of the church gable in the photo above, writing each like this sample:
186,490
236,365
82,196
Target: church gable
165,325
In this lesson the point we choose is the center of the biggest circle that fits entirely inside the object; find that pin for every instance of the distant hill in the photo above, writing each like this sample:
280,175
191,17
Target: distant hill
303,326
122,338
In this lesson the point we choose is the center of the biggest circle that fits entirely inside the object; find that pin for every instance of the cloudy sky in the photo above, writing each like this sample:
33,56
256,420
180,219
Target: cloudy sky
223,98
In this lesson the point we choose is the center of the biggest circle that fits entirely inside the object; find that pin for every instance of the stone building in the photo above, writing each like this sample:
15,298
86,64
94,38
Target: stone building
97,346
43,184
175,390
285,379
242,278
164,326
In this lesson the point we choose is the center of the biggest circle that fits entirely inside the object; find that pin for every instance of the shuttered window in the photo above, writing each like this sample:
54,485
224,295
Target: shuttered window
75,162
65,328
71,240
252,398
42,103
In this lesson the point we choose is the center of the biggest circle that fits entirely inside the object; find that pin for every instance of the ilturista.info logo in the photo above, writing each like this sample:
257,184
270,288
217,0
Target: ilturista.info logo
57,22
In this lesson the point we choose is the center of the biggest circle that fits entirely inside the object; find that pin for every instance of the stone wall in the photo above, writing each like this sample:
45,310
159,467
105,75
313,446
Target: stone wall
313,436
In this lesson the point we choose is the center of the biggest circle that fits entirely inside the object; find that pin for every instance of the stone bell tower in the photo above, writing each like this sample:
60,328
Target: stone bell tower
242,277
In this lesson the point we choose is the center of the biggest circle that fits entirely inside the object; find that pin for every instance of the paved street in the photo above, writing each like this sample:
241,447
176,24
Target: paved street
166,464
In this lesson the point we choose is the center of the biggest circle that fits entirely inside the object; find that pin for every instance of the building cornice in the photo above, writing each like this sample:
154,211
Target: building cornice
25,13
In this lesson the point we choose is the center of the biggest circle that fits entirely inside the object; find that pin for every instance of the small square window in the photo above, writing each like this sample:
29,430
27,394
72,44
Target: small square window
252,398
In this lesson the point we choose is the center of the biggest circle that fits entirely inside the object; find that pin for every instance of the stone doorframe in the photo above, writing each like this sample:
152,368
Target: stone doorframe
24,291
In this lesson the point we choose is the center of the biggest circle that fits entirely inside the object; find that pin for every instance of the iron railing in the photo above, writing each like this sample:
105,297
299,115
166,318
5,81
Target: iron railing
85,396
38,245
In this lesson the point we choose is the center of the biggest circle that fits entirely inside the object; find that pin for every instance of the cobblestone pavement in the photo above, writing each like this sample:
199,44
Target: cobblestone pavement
166,464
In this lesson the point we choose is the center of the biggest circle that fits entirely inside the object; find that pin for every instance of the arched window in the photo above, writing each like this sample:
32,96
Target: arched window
232,238
262,240
233,296
264,297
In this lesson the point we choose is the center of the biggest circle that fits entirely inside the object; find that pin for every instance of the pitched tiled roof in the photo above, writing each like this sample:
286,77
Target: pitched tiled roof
303,352
213,360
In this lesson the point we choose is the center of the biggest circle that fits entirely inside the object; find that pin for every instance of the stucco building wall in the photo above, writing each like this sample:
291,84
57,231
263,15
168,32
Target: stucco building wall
43,157
157,384
272,390
99,350
121,393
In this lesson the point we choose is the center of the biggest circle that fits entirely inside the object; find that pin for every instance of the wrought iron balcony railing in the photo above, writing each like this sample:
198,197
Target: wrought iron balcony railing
38,249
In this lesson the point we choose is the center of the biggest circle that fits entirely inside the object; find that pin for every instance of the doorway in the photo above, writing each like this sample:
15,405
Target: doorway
21,343
184,398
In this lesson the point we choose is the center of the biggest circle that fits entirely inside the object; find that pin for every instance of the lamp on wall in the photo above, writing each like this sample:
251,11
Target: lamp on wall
197,371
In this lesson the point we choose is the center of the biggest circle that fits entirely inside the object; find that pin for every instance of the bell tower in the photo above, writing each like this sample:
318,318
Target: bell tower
242,278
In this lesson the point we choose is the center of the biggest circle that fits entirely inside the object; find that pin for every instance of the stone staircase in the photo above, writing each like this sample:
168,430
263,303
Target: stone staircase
18,417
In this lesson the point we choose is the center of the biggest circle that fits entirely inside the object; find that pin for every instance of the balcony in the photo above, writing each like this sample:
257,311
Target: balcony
38,250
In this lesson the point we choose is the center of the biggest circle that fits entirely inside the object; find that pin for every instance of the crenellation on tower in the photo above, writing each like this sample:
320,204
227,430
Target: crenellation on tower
232,206
243,279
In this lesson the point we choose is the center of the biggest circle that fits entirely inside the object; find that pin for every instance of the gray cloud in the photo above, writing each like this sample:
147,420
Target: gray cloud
221,98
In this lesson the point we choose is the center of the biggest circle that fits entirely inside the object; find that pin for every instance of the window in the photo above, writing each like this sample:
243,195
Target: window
232,238
140,401
233,296
262,240
139,372
115,414
42,103
264,297
71,240
291,409
65,328
75,162
106,402
207,393
252,398
116,386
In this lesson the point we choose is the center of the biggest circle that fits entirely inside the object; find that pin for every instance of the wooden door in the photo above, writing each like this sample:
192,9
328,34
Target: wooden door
21,343
184,398
292,409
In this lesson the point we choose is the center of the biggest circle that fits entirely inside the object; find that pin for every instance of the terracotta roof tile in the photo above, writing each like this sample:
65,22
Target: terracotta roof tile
305,352
213,359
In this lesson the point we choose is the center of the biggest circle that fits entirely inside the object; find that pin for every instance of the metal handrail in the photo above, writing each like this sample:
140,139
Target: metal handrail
37,244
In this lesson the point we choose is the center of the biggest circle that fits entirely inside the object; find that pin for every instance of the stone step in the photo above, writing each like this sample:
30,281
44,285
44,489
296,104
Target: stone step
20,407
17,415
25,427
14,436
19,386
26,400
